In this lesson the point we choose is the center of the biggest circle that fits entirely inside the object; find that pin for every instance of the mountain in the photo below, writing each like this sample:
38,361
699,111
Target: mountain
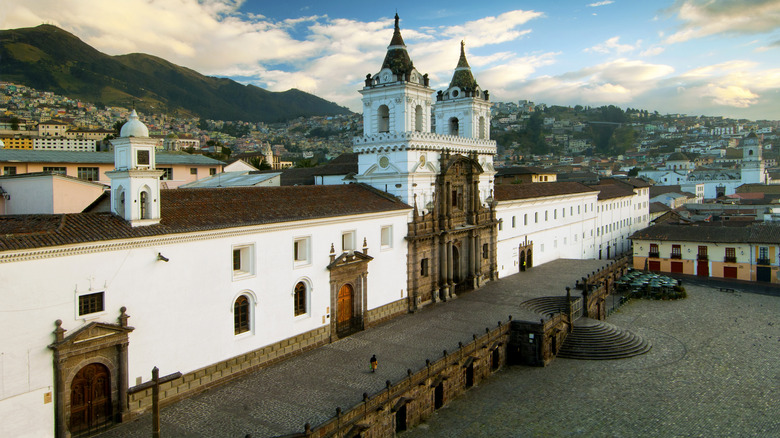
48,58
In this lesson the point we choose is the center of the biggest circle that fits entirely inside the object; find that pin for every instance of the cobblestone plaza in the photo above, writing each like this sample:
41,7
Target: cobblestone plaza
712,371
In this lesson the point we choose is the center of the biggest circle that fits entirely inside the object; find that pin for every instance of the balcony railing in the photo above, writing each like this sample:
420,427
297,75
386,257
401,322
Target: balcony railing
728,259
762,261
654,254
702,257
675,256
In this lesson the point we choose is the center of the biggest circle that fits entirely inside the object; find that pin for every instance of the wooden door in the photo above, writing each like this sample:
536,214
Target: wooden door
677,267
764,273
654,265
730,271
344,316
90,398
703,268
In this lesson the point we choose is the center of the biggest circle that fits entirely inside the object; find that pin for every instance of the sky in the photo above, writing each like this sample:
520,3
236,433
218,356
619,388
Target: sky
695,57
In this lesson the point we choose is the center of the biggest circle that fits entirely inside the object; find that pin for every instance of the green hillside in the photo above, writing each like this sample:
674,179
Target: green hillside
51,59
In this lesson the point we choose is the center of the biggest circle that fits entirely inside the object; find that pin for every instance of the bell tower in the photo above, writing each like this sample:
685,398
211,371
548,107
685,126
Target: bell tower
463,109
753,171
398,98
135,183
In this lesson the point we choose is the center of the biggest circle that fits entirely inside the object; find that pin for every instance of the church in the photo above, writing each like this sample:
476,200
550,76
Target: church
207,284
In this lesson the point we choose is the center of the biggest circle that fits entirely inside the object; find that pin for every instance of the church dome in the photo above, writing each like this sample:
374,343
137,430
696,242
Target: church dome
397,58
134,127
463,78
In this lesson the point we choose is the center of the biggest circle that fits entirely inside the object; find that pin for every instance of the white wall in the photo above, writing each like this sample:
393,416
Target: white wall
559,236
182,310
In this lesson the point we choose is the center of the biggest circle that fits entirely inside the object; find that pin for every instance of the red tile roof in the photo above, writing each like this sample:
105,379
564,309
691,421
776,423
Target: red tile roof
191,210
610,191
508,192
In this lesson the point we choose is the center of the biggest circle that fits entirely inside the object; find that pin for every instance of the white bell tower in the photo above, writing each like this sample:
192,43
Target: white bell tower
752,171
135,183
398,98
463,109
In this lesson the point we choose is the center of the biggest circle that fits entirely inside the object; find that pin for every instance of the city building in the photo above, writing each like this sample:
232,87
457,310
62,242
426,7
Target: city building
744,252
209,283
179,168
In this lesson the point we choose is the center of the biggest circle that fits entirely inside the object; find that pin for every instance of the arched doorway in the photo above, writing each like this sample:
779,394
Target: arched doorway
90,398
522,261
344,310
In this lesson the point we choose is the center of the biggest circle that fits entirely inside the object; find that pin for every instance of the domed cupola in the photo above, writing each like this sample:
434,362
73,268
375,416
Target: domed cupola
463,109
134,127
135,182
397,59
463,83
462,78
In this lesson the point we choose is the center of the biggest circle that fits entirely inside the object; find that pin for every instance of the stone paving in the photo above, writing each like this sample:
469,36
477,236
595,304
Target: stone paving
280,399
713,372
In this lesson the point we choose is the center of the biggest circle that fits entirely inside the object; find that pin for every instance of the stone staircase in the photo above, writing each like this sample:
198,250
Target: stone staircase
596,340
546,305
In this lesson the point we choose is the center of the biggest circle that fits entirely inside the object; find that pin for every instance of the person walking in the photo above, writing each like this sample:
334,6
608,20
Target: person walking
374,363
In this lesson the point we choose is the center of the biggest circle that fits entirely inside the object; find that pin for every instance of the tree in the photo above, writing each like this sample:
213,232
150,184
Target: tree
305,162
15,123
258,163
634,171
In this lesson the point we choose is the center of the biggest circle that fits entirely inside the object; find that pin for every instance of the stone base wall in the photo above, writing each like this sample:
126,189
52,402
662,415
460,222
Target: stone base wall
410,401
177,387
385,313
535,343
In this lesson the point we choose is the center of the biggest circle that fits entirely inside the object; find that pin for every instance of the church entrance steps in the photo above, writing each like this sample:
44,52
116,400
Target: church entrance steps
546,305
596,340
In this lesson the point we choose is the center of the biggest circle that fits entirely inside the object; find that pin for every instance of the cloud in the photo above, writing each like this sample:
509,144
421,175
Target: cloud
493,30
611,45
652,51
730,95
602,3
318,54
701,18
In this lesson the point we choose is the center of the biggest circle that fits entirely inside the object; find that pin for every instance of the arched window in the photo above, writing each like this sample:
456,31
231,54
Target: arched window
120,201
142,202
300,298
454,126
241,315
482,128
383,113
418,119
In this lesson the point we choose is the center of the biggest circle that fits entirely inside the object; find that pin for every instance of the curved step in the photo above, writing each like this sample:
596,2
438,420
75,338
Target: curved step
597,340
546,305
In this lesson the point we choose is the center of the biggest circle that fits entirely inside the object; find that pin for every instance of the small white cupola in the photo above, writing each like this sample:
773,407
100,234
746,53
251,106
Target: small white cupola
135,183
463,109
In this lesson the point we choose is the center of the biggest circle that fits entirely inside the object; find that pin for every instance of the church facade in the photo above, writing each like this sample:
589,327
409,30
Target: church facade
208,284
